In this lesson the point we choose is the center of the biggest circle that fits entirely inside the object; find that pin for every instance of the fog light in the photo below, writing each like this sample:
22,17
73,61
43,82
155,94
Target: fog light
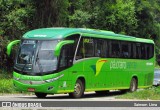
51,87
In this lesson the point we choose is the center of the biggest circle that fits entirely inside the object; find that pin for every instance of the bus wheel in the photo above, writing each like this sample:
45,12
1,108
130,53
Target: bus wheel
124,91
102,92
78,90
133,85
40,95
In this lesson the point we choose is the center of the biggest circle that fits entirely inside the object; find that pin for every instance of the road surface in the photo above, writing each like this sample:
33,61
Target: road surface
89,96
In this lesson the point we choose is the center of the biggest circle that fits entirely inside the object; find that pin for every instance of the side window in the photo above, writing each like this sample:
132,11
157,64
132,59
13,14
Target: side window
76,39
85,49
126,50
133,50
88,47
80,51
100,48
114,49
143,51
149,51
66,57
138,50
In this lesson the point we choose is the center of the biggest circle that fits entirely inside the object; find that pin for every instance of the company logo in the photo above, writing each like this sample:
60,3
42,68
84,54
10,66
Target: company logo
19,104
118,65
99,64
40,35
6,104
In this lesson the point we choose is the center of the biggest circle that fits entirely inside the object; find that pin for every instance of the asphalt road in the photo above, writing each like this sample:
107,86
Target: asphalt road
89,96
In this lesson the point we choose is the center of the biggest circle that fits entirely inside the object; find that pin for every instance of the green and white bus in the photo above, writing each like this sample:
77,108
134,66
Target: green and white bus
77,60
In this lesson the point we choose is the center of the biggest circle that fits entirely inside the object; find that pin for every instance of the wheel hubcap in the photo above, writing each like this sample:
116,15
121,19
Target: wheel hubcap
133,86
77,88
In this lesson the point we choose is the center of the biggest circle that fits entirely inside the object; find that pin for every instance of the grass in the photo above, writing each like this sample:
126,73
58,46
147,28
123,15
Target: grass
152,93
157,66
6,84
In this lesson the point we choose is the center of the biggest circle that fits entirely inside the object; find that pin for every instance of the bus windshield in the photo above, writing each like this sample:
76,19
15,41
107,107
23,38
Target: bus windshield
36,57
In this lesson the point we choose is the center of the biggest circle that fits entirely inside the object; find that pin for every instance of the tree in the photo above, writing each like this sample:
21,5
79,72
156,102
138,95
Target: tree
118,15
138,18
50,13
15,15
148,12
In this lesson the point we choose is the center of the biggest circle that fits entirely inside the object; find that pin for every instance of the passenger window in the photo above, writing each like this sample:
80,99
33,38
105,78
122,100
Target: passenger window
138,50
125,50
80,51
149,51
143,51
133,50
85,49
88,47
115,49
100,48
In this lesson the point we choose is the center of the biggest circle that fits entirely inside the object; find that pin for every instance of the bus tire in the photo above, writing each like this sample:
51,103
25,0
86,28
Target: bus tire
124,91
133,85
102,92
40,95
78,90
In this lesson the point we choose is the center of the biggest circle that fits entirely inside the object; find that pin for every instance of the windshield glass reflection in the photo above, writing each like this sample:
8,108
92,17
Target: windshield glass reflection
36,57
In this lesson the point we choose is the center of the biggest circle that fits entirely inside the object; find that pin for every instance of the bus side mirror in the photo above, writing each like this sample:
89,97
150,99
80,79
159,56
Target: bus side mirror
60,45
10,45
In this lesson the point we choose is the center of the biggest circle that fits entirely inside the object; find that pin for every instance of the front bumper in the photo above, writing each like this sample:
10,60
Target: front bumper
44,88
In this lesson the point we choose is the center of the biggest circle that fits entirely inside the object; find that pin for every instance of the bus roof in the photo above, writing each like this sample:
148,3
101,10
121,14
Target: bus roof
58,33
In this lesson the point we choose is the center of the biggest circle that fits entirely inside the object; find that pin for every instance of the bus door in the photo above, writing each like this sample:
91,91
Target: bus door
65,63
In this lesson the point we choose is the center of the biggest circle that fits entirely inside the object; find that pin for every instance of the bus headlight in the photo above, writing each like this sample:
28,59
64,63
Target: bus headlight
54,79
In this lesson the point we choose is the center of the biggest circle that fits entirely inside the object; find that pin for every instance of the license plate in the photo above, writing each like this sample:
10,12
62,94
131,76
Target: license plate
31,89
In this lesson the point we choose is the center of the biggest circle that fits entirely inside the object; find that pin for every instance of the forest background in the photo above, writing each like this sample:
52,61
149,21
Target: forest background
139,18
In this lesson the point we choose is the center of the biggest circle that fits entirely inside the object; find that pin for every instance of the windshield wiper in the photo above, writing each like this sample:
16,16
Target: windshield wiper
23,67
26,58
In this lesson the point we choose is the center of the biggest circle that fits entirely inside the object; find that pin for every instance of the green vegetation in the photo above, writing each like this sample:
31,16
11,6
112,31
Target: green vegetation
152,93
6,84
138,18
